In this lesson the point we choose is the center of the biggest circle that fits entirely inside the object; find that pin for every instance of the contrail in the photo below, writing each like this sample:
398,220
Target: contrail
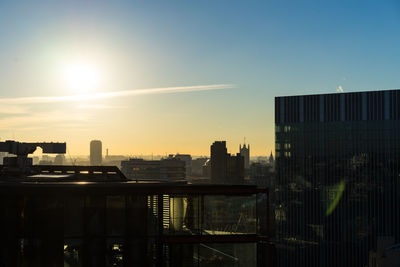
91,96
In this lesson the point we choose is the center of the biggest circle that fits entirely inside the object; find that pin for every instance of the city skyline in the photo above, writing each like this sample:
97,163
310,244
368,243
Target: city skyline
229,60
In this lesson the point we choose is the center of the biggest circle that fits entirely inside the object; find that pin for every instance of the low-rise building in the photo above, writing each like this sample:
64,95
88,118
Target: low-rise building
188,163
164,169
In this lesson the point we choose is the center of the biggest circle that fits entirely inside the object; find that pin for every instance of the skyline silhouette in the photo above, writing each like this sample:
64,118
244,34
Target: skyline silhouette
264,49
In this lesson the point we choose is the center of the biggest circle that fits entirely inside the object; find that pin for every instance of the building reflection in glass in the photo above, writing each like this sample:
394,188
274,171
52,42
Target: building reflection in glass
337,162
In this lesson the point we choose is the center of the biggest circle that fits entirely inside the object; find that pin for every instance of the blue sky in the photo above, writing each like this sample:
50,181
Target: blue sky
264,48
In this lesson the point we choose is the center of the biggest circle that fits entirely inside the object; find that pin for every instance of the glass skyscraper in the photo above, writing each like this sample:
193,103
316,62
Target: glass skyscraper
338,176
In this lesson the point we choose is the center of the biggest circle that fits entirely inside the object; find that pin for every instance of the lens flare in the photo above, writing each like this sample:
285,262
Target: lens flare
333,195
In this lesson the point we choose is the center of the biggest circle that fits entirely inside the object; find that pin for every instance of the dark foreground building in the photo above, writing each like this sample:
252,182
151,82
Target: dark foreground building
338,174
94,216
226,168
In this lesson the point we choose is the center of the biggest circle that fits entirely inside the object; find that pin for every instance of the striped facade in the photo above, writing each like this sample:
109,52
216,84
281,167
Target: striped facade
377,105
338,176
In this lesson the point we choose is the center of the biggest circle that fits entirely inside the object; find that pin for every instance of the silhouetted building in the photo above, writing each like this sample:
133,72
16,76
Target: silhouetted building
114,160
59,159
337,162
245,152
47,158
96,155
164,169
94,216
225,168
197,166
219,162
235,169
188,163
271,160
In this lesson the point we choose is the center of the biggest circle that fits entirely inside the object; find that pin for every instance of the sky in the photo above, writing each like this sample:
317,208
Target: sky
173,76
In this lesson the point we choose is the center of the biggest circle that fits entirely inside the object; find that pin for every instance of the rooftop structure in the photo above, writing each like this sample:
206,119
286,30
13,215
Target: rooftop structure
21,162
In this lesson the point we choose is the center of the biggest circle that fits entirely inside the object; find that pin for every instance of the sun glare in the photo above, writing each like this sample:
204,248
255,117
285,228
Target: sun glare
82,77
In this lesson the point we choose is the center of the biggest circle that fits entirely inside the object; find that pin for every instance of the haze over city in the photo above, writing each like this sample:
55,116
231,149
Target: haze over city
212,68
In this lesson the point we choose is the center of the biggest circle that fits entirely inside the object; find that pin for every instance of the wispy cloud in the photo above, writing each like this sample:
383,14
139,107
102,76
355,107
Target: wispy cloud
85,97
16,113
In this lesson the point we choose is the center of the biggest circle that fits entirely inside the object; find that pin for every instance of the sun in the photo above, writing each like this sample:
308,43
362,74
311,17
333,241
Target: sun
81,77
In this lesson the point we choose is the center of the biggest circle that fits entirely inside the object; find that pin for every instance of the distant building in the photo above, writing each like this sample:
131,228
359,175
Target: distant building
235,169
225,168
96,155
188,162
114,160
172,169
245,152
59,159
271,159
164,169
197,166
219,162
46,160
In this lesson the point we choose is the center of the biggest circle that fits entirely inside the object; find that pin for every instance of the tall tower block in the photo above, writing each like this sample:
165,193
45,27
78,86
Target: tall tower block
96,155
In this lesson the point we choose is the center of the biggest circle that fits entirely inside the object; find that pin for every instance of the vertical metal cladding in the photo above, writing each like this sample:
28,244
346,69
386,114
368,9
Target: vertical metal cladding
337,162
377,105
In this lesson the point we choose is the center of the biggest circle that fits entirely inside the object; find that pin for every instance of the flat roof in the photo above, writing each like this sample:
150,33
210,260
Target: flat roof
338,93
53,180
